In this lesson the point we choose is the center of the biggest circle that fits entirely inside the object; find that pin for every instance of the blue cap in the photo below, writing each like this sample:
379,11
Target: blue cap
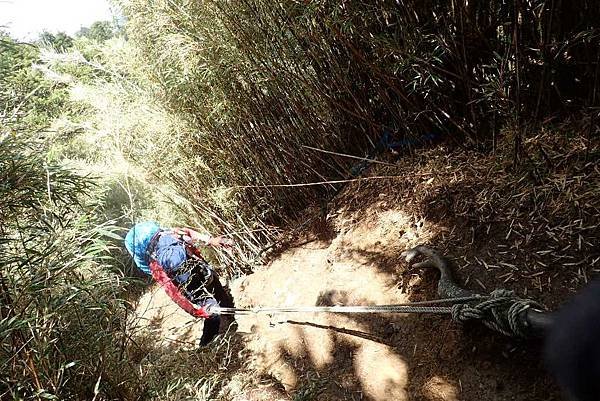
137,241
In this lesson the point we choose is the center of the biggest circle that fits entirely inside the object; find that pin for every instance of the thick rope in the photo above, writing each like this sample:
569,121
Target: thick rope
500,312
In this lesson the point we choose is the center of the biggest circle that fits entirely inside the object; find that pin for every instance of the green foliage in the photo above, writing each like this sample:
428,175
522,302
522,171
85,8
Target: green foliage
28,100
60,301
61,308
60,41
116,133
64,299
99,31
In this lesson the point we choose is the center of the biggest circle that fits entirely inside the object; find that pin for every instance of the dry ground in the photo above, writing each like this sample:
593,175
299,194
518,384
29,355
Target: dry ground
531,228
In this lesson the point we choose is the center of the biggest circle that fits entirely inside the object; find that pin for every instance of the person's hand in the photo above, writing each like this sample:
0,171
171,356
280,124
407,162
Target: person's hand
221,242
209,309
195,236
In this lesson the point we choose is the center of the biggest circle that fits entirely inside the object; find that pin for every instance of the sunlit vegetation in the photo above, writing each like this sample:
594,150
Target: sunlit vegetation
258,82
201,113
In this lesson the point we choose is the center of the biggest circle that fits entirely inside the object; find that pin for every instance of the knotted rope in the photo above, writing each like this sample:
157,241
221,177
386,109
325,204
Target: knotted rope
501,312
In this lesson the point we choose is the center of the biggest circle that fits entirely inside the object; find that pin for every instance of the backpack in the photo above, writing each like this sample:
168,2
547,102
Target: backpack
181,261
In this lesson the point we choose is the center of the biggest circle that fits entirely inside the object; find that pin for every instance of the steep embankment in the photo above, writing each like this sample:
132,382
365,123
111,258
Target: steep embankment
532,230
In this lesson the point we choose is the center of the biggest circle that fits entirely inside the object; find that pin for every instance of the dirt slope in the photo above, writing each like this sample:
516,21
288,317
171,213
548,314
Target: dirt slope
533,229
365,356
375,357
350,350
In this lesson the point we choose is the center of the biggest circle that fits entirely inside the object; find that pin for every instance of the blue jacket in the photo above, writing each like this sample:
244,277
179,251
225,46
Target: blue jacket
170,253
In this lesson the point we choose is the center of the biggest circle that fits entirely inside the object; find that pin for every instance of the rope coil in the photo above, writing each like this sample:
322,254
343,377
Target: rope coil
500,312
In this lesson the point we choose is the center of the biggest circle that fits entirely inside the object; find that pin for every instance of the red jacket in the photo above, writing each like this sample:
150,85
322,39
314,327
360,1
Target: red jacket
161,277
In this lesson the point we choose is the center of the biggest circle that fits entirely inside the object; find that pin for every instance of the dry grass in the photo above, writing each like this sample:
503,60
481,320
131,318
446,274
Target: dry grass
533,227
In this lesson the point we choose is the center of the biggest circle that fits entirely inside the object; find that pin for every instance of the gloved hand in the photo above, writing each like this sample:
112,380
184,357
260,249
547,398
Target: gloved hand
206,309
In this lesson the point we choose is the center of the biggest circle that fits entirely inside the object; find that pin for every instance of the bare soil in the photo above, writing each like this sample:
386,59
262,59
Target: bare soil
376,356
531,228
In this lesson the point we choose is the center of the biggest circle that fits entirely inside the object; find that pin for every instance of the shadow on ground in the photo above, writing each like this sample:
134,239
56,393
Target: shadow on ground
533,230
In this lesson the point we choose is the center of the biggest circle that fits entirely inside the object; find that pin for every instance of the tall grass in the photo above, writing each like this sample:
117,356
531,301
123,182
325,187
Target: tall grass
258,81
66,296
220,100
60,298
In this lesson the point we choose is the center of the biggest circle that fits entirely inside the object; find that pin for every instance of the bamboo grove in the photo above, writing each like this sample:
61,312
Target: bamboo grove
258,82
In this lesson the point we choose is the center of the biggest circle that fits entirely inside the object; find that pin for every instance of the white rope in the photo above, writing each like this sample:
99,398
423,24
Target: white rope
412,307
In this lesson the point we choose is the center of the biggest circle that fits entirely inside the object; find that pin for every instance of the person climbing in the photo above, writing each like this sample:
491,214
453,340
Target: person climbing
172,257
